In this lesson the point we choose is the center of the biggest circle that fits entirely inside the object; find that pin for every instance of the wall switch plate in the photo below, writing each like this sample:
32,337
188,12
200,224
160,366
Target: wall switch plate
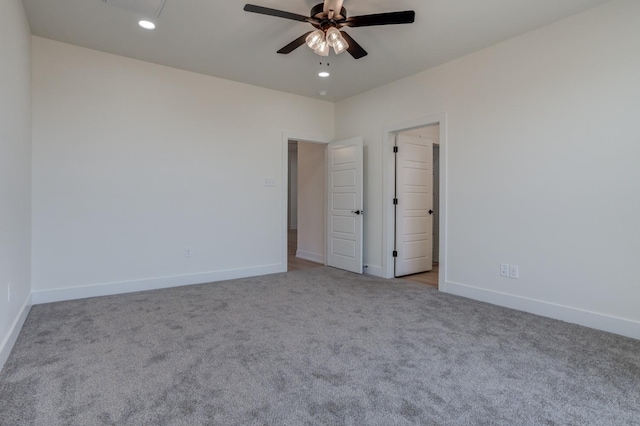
513,272
270,182
187,252
504,270
9,293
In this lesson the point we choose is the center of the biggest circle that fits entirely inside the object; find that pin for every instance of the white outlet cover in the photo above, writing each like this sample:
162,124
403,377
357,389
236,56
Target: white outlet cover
513,272
504,270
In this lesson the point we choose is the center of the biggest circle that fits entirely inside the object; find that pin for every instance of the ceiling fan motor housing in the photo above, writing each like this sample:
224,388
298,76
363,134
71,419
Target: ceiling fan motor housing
318,12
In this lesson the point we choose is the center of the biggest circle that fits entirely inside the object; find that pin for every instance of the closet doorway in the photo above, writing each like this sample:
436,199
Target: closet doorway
414,217
306,205
416,204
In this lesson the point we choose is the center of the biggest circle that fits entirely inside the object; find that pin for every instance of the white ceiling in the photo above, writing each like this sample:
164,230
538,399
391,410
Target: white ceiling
216,37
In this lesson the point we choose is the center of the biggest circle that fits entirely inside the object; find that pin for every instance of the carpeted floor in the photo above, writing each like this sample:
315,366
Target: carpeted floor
312,347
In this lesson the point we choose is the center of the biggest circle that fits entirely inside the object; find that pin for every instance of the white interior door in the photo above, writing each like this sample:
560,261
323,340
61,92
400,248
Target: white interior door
345,205
414,209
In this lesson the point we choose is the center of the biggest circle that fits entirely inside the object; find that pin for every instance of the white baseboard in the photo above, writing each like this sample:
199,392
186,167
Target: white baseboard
307,255
14,331
373,270
595,320
121,287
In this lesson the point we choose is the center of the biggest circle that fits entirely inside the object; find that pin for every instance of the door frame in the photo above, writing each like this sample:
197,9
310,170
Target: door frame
286,137
388,173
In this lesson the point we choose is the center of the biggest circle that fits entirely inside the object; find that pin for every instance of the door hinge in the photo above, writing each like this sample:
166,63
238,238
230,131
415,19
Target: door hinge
395,253
395,201
395,149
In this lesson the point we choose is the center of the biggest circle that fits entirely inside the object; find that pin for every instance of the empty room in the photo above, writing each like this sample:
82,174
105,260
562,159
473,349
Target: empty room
312,212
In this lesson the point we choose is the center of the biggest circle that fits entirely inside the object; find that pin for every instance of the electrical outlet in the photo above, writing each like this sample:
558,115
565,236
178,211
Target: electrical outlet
513,272
270,182
504,270
9,293
187,252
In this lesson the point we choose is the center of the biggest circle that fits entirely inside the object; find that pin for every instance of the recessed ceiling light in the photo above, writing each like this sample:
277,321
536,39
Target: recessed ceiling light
322,93
324,74
147,25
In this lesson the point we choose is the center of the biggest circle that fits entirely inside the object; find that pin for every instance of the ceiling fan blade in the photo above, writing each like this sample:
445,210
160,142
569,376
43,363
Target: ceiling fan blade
274,12
354,48
390,18
294,44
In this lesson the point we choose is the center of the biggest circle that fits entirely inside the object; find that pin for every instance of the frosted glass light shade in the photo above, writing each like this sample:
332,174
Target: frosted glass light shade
333,35
340,45
323,49
315,39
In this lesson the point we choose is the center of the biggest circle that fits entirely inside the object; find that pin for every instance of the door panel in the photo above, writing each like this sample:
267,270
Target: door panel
343,201
344,225
343,179
345,197
414,190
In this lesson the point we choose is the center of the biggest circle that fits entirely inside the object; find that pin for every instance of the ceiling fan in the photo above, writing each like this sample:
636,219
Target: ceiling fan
328,18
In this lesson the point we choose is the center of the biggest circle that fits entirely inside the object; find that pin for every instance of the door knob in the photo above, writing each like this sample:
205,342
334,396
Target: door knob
358,212
430,211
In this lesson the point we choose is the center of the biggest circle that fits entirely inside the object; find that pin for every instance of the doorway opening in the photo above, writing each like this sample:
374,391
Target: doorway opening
306,183
416,201
414,214
338,226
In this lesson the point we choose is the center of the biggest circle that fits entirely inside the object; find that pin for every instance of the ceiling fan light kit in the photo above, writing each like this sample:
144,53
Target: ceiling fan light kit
320,43
328,18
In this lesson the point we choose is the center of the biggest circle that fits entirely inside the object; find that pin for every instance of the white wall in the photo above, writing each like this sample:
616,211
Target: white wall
133,162
543,145
15,172
311,201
